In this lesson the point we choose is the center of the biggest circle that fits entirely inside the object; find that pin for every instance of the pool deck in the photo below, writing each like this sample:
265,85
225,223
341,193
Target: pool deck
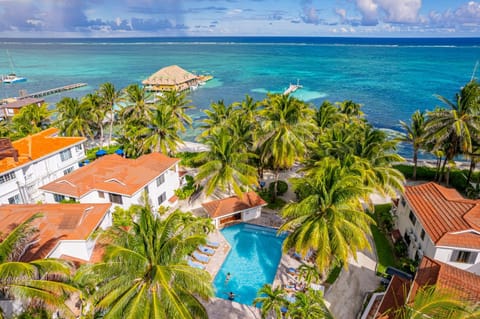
218,308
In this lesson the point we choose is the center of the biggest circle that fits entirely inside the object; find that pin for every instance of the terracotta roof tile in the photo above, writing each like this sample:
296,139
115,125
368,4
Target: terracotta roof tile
394,297
443,211
36,146
112,173
461,283
59,222
229,205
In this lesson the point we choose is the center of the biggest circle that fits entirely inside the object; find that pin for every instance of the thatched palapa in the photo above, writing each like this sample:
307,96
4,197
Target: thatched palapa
171,78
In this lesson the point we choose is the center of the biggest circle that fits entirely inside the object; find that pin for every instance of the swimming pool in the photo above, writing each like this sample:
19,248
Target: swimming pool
252,261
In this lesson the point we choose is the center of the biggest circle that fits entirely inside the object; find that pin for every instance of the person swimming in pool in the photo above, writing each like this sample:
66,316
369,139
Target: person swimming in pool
227,278
231,296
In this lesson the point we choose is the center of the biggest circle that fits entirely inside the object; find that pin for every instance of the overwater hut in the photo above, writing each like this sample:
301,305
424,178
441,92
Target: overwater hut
171,78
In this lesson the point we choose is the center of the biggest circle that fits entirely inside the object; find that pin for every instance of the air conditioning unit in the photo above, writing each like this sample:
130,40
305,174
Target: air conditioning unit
412,237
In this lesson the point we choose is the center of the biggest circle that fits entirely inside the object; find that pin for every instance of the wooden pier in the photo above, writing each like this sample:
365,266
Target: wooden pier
54,90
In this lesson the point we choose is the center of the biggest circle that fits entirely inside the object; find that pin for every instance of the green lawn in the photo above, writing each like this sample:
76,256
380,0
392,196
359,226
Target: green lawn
385,252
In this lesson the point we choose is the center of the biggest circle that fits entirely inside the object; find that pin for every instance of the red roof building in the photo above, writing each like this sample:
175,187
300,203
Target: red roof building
118,180
63,230
234,208
439,223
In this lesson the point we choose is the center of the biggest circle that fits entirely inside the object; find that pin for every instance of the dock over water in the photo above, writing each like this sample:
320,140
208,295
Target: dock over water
54,90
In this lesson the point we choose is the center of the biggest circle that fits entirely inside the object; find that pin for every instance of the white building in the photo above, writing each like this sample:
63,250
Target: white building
120,181
231,209
64,230
33,161
439,223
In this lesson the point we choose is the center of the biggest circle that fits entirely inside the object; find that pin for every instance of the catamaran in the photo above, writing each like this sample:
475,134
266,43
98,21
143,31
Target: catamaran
12,77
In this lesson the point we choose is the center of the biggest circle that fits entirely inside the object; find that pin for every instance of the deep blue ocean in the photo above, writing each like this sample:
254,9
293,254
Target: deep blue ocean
390,77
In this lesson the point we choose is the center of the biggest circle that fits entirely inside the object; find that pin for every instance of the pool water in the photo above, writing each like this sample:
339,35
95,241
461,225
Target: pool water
252,262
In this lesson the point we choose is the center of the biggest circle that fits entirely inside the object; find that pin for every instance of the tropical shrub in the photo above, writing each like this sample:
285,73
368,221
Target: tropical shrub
187,190
282,187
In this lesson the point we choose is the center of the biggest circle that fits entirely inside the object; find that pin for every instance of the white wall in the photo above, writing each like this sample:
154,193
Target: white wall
74,248
35,174
252,213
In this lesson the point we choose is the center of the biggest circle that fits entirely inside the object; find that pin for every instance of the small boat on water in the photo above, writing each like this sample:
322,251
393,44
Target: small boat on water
292,88
13,78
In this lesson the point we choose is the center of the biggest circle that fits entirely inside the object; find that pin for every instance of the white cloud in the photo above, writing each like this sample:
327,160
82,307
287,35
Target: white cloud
341,12
368,9
467,15
397,11
401,11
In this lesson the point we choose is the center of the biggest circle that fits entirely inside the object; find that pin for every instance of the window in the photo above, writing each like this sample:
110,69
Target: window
58,198
101,194
412,218
422,234
162,198
78,147
14,199
117,199
68,170
160,180
65,155
462,256
403,202
146,190
7,177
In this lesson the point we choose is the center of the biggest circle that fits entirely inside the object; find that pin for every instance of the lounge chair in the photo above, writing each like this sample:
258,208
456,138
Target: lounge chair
201,258
292,271
213,244
206,250
194,264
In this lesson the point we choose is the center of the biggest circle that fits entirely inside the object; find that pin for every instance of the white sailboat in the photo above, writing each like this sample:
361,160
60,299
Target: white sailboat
12,77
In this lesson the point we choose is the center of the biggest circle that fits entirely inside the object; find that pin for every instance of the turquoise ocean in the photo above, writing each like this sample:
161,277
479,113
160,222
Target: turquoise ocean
390,77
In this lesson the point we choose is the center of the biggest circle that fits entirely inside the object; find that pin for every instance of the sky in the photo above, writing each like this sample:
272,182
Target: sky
173,18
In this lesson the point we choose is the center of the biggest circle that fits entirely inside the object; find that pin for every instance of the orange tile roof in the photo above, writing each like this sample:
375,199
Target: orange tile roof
229,205
394,297
112,173
59,222
36,146
460,283
446,215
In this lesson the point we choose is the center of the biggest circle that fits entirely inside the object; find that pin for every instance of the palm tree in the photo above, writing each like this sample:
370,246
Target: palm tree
73,118
31,119
158,283
309,305
110,96
350,108
216,117
225,166
433,303
132,139
288,126
39,282
271,300
93,102
179,104
309,273
327,115
454,129
329,218
135,107
414,134
162,130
